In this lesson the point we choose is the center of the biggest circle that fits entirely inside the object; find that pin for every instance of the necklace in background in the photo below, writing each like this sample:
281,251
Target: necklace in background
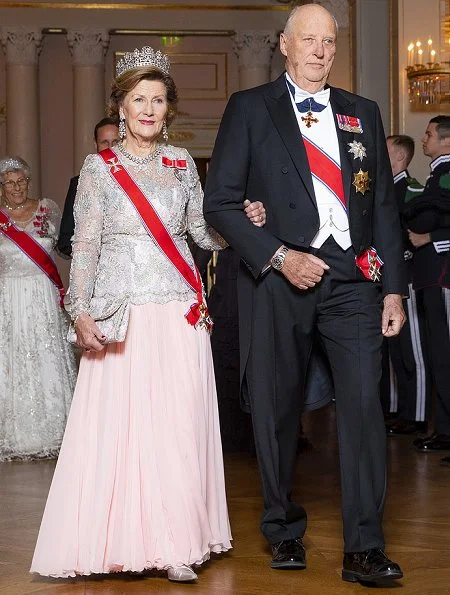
16,208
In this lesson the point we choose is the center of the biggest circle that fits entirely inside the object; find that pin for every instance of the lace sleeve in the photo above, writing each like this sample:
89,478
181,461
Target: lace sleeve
51,213
203,235
88,214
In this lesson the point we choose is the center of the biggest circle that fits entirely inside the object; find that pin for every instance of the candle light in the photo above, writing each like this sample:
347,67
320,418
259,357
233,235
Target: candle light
417,50
411,54
430,48
420,59
433,55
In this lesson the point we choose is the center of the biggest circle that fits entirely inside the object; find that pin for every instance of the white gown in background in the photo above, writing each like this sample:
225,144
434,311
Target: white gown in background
37,365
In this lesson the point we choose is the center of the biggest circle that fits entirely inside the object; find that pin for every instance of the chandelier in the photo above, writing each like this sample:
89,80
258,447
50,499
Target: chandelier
428,69
428,78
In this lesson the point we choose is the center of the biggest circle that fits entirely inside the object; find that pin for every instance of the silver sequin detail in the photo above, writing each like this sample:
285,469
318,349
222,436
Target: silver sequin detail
118,255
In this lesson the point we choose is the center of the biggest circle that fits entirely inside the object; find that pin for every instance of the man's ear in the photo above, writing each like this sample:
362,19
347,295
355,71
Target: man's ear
400,154
283,43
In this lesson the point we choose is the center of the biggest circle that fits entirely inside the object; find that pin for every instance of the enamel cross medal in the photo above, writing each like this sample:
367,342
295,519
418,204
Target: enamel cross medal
309,119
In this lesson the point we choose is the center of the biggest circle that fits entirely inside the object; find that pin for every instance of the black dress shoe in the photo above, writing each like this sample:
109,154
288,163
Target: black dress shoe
445,462
370,566
289,555
403,426
418,441
435,443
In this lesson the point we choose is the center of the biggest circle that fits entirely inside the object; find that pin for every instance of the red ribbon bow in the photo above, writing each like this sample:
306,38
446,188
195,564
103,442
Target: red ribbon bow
370,264
175,163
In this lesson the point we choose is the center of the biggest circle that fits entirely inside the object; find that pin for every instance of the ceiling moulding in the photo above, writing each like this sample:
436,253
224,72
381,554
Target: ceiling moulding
142,6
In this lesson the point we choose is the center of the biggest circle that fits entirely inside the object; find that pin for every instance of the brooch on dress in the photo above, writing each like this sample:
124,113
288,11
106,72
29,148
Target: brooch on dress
175,163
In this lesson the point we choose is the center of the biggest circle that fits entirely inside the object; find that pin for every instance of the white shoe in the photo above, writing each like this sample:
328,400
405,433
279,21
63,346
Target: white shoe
181,574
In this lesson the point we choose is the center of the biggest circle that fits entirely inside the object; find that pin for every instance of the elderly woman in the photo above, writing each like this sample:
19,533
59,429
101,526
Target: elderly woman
37,365
139,483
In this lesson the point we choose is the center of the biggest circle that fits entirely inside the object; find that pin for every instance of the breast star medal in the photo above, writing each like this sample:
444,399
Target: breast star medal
361,181
358,150
309,119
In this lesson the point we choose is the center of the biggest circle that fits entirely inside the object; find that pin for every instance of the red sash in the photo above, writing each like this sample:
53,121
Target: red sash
33,250
198,312
326,170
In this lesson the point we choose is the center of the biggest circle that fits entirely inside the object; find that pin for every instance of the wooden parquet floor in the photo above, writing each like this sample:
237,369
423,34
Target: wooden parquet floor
417,527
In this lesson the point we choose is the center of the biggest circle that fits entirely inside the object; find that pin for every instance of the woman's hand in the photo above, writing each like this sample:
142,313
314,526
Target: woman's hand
89,336
256,212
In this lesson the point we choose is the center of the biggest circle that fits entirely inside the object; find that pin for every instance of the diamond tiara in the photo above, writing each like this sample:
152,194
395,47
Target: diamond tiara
144,57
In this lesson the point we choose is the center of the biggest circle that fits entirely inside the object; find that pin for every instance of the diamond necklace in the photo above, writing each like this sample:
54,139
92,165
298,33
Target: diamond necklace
140,160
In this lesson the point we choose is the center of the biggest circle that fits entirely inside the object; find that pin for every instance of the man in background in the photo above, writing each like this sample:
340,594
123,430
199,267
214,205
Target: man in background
406,375
427,217
106,134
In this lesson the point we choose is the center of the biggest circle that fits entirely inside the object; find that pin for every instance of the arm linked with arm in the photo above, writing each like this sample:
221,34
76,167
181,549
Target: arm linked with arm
225,191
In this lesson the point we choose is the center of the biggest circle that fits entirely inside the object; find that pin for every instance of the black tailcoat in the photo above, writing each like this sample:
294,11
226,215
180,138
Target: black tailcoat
259,155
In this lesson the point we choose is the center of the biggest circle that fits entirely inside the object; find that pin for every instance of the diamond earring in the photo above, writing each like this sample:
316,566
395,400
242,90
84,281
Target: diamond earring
165,133
122,129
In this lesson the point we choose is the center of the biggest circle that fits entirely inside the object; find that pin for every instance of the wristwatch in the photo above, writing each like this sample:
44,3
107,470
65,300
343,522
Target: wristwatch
277,261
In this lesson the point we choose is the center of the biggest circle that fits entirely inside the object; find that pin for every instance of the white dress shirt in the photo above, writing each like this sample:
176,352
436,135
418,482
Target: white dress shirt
333,216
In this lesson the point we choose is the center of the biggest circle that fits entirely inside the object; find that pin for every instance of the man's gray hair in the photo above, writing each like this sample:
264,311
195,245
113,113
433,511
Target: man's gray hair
8,164
288,25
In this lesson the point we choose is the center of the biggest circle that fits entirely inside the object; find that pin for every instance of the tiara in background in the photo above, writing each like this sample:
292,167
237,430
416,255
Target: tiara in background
144,57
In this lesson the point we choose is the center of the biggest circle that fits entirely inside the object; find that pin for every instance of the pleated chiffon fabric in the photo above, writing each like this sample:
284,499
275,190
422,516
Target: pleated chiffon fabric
139,482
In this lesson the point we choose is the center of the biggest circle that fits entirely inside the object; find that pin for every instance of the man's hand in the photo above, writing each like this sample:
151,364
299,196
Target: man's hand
302,269
256,212
89,336
419,239
393,315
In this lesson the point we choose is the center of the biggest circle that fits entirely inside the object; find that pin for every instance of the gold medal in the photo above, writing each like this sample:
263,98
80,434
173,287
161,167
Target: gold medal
361,181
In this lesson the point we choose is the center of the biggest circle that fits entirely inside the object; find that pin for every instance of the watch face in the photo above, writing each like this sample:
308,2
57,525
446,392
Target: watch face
277,262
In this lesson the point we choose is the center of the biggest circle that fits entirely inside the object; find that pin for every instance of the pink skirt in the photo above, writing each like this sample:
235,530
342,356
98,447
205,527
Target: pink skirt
139,481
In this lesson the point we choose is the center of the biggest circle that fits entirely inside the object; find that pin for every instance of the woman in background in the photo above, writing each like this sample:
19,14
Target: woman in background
37,365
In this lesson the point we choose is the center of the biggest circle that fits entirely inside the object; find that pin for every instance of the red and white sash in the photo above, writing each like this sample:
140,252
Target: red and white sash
326,170
33,250
198,312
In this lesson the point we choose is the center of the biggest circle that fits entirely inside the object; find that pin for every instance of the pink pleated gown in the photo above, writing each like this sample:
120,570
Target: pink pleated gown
139,481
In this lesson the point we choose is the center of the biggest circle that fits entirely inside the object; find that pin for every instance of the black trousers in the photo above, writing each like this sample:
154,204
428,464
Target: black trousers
406,369
344,313
436,302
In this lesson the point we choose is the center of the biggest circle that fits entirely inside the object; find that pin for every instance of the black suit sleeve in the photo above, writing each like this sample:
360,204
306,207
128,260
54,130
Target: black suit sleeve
64,245
225,191
386,221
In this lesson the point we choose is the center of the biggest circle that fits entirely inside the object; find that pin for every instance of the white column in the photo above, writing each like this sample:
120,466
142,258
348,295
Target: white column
88,48
254,50
22,46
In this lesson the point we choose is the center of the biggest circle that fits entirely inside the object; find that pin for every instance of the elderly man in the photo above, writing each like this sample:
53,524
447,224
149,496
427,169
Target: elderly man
328,264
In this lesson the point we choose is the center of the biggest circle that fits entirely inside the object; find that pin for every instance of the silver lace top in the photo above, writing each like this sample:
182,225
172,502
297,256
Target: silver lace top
113,255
